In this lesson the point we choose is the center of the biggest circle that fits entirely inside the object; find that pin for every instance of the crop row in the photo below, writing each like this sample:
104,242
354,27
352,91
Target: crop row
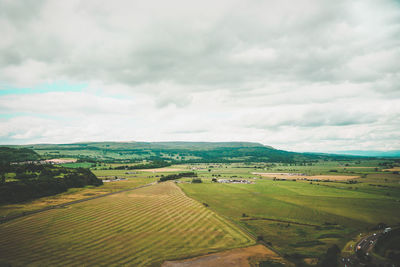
131,228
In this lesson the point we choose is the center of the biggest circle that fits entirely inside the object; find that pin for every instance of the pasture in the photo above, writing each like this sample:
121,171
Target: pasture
137,228
302,217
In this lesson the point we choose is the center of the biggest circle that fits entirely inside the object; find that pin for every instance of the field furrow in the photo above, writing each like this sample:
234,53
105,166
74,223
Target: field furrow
136,228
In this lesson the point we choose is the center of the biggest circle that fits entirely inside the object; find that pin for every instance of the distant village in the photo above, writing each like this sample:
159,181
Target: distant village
47,161
107,179
234,181
114,180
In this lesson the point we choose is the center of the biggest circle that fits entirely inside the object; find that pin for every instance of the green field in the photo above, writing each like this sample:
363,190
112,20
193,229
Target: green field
77,165
299,217
136,228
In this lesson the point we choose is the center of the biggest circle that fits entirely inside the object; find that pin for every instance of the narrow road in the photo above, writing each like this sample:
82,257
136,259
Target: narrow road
363,247
26,213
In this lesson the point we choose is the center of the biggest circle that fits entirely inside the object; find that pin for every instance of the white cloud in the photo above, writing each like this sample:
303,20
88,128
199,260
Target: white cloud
254,55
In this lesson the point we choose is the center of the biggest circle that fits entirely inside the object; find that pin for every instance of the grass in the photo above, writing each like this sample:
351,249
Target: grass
73,194
77,165
304,218
148,225
138,228
134,178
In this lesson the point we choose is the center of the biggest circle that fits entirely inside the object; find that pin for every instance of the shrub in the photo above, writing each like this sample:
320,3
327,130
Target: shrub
177,176
196,181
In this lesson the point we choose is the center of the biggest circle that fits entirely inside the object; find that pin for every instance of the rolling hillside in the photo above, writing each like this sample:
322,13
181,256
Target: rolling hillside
176,152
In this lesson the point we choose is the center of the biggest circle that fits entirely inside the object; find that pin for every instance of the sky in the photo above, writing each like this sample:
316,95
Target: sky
306,75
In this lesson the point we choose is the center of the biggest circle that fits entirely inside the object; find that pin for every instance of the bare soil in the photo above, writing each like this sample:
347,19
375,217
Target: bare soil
60,161
311,261
335,177
395,169
236,257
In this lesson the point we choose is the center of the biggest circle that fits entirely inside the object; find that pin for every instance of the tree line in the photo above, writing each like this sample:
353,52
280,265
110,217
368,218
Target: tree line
41,180
177,176
152,165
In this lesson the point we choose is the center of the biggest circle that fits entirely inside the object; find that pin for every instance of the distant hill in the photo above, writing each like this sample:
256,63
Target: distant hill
371,153
176,152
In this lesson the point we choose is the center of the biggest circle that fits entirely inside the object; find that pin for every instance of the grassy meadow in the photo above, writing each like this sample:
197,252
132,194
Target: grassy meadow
299,217
136,228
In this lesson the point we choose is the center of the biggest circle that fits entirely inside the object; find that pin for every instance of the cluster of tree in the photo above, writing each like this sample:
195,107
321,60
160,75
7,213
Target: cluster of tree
330,259
152,165
177,176
388,245
9,154
197,181
45,183
31,170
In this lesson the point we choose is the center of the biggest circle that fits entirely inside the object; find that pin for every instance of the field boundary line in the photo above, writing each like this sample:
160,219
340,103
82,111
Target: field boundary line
253,236
27,213
277,220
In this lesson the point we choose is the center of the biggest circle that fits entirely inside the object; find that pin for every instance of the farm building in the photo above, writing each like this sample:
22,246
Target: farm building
235,181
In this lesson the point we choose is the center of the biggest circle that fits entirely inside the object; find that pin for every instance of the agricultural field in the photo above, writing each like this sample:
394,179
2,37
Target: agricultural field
302,219
132,178
258,255
297,219
137,228
77,165
72,194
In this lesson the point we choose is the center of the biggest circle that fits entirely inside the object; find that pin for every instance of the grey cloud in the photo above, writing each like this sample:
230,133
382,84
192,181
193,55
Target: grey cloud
20,12
311,119
178,101
245,69
313,40
10,58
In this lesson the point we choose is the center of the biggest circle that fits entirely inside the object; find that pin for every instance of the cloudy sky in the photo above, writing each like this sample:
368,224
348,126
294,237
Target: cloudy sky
307,75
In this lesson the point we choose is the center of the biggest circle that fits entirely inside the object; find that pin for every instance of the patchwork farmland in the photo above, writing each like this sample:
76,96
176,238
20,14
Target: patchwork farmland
306,222
137,228
304,218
